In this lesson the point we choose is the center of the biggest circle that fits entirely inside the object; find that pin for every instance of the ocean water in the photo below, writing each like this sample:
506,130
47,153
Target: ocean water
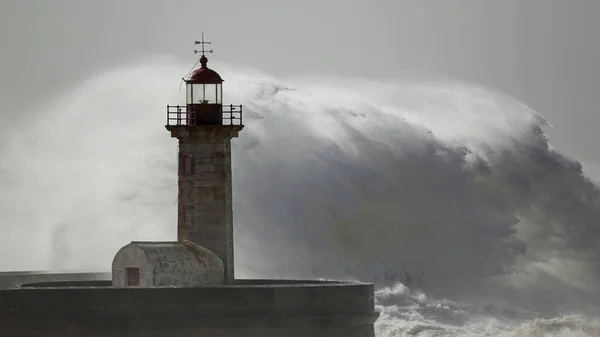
447,195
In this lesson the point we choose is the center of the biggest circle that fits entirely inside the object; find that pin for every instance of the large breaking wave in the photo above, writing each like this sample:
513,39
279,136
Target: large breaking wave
447,195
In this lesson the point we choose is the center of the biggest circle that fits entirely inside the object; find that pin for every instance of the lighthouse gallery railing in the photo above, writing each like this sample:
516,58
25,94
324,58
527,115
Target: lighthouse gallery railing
178,115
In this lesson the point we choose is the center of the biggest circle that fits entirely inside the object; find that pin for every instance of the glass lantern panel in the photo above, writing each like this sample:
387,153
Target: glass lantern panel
188,89
203,94
219,93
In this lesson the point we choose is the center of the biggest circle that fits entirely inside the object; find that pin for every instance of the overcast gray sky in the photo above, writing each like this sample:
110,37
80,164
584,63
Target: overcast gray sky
544,52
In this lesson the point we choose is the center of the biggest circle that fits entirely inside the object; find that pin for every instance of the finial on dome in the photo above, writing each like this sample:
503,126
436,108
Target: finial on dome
203,61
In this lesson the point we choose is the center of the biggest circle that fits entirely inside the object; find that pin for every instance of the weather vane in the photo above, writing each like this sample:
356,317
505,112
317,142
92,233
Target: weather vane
202,43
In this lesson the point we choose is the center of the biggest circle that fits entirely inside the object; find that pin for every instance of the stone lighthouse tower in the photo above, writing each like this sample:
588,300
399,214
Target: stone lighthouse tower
204,128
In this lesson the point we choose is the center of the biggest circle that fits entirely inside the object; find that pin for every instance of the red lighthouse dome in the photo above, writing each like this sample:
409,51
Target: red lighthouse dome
204,74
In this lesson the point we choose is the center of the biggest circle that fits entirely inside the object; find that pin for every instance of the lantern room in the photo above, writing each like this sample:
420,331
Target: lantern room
204,96
204,85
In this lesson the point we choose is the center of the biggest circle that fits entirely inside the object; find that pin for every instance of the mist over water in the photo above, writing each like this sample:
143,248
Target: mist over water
448,196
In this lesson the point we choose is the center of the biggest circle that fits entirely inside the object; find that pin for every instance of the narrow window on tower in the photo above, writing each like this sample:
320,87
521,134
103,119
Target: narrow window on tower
192,165
187,214
182,160
187,165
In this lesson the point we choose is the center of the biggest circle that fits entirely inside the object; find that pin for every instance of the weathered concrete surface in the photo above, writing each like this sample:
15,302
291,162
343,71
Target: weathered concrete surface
168,264
205,213
16,278
68,284
253,309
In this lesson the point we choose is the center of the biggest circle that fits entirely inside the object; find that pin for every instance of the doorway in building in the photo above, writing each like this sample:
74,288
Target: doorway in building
133,277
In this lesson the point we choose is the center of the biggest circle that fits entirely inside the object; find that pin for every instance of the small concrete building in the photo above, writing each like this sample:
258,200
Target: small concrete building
184,264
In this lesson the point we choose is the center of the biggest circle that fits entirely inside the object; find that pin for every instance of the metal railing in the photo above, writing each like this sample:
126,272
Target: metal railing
179,115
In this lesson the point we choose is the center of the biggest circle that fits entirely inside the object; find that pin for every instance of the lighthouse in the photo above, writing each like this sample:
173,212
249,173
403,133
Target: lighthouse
204,127
187,287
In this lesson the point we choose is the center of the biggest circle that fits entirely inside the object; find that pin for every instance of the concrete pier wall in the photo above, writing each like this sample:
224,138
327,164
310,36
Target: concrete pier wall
17,278
285,309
